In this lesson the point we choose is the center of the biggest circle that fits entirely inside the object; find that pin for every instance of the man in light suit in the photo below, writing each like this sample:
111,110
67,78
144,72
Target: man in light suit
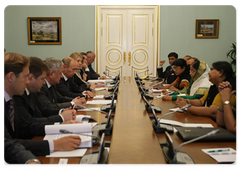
168,75
16,71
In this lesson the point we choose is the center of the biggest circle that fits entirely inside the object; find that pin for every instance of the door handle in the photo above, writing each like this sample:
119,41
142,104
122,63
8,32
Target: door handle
129,58
125,58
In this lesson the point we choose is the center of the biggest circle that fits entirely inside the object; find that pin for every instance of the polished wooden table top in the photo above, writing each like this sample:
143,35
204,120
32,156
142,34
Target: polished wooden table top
133,140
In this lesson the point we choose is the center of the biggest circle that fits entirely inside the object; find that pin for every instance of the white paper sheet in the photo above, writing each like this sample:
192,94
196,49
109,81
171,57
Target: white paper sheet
98,97
102,81
101,88
74,153
221,155
176,123
100,102
89,109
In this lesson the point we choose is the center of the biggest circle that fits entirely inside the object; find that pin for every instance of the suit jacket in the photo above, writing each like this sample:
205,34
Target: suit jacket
93,74
50,100
87,72
168,75
14,153
28,107
69,88
79,82
25,130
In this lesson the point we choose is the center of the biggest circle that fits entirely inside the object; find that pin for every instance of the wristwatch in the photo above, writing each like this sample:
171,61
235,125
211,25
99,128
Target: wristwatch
226,102
34,160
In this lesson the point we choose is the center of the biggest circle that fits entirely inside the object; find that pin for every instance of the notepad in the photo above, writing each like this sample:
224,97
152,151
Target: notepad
53,133
221,155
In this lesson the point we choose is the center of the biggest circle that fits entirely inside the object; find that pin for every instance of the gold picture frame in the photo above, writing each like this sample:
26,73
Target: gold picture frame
207,28
44,30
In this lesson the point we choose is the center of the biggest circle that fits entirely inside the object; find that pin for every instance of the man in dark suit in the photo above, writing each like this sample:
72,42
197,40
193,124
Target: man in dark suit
67,86
85,69
168,75
16,71
15,153
90,60
28,104
49,98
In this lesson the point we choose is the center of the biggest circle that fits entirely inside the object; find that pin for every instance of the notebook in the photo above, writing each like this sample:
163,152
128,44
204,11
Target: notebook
188,133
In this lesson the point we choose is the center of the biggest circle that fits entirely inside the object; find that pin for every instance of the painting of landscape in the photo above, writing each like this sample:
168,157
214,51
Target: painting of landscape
44,30
207,28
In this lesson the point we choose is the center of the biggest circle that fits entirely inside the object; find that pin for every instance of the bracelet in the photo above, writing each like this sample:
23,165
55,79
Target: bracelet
34,160
220,110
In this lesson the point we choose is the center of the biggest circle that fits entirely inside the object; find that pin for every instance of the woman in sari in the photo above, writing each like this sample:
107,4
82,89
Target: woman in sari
209,103
182,71
199,84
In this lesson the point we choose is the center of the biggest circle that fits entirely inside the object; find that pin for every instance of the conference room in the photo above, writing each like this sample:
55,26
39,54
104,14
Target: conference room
133,124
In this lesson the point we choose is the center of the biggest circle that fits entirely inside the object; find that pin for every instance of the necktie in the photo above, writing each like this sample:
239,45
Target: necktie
11,112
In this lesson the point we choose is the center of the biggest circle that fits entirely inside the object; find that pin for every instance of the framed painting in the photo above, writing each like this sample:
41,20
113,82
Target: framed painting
207,28
44,30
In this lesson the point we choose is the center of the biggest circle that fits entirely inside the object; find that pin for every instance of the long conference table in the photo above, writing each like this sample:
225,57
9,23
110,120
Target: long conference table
133,139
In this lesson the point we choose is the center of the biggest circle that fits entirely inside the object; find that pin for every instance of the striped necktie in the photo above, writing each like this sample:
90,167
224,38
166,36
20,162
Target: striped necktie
11,112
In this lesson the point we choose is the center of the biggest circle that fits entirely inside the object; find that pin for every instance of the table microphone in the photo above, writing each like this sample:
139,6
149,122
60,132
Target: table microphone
95,139
106,96
144,93
161,128
83,107
175,161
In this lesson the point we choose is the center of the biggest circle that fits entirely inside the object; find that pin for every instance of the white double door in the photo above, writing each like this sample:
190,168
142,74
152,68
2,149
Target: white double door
127,39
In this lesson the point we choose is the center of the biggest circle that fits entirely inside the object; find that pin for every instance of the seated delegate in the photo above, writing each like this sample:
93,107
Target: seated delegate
183,78
199,84
207,105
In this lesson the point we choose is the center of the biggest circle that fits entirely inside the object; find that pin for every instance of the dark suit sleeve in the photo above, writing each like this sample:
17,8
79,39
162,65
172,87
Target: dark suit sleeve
46,105
93,74
31,115
37,147
161,74
80,83
15,153
73,91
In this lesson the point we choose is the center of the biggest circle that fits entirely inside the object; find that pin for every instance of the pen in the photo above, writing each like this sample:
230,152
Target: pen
220,150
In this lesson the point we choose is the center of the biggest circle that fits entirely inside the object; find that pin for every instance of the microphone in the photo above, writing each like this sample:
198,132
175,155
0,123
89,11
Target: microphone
178,154
114,88
137,78
83,107
147,95
106,96
108,107
161,128
95,139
